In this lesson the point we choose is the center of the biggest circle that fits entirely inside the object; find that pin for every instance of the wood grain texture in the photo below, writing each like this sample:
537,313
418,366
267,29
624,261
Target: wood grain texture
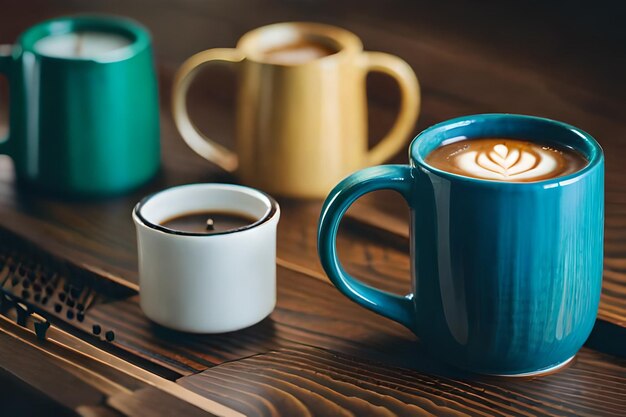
19,398
311,381
540,62
330,321
46,374
34,383
74,374
152,402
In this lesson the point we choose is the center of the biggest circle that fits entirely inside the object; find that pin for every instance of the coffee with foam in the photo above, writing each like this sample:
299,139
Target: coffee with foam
511,160
298,53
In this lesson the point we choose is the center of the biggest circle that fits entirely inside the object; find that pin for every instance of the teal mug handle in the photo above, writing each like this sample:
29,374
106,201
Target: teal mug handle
384,177
6,60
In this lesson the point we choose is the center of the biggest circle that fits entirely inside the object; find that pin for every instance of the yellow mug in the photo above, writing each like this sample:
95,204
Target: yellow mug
301,108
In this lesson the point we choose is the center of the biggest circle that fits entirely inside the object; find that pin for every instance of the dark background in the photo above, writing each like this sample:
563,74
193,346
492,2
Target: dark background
537,57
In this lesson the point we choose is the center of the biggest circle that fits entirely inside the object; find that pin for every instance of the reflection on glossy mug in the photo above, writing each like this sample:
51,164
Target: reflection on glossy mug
301,108
506,275
84,114
207,283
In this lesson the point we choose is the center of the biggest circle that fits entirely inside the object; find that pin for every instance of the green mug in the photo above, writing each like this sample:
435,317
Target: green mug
83,106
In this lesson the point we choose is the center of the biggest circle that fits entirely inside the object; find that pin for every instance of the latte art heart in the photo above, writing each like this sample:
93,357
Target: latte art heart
503,163
506,160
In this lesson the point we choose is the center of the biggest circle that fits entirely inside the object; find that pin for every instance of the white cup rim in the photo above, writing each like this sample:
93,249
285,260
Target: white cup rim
272,211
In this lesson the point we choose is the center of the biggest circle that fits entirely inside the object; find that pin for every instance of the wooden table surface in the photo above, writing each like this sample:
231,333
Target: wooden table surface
318,353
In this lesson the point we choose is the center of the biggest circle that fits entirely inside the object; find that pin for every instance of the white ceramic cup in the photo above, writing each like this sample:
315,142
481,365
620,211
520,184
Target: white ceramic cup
207,283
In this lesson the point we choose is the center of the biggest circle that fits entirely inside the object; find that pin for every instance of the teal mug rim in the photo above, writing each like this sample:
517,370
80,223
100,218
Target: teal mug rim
591,149
136,32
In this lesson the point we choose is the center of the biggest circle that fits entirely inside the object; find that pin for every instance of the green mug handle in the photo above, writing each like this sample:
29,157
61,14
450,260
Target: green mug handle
385,177
6,61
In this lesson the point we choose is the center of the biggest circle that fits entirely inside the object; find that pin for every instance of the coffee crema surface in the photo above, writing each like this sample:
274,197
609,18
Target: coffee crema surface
207,222
511,160
299,52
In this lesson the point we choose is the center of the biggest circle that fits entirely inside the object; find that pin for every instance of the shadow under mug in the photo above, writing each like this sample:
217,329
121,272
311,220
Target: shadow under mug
506,276
81,123
301,127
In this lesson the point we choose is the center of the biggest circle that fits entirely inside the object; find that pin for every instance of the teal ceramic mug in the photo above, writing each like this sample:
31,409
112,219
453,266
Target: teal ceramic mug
506,276
84,114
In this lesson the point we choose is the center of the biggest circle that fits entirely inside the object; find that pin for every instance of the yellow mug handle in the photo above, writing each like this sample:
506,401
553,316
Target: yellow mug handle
399,134
200,143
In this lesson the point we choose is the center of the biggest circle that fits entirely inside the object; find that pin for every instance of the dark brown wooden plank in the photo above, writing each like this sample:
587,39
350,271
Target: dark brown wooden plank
152,402
311,381
46,374
331,322
19,398
87,375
